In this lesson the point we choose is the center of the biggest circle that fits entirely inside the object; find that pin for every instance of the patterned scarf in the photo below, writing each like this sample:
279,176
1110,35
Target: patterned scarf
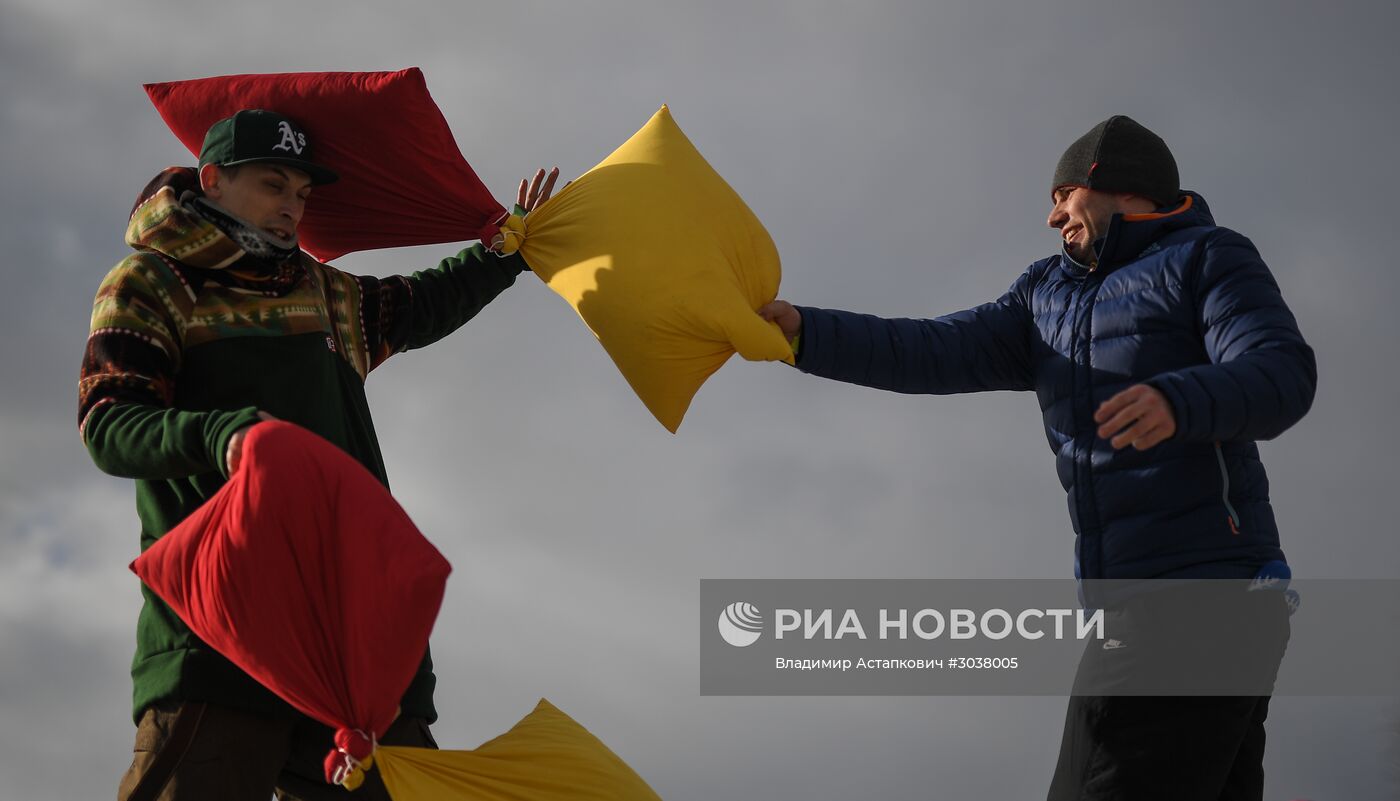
253,240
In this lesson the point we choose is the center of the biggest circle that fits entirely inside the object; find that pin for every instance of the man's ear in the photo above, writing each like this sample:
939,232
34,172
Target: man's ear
209,181
1135,204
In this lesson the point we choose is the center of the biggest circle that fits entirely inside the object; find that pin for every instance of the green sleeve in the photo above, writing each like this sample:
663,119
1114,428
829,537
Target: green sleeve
126,386
444,298
133,440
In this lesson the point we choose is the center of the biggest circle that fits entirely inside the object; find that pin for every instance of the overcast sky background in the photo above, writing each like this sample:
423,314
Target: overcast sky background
900,155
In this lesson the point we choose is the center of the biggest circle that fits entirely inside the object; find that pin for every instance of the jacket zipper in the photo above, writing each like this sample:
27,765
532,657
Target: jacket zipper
1233,516
1085,295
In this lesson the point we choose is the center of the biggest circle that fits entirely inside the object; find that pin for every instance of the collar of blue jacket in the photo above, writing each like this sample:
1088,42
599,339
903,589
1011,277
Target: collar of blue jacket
1130,235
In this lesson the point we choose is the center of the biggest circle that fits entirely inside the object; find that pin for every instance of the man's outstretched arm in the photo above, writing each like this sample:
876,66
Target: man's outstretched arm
983,348
414,311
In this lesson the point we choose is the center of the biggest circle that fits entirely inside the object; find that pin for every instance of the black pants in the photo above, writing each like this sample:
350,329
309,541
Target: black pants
202,752
1131,734
1144,748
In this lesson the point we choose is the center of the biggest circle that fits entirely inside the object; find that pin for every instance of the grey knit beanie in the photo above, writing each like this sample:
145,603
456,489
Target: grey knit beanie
1119,155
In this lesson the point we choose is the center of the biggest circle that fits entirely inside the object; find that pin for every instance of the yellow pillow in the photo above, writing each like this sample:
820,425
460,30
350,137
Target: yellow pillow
545,757
665,264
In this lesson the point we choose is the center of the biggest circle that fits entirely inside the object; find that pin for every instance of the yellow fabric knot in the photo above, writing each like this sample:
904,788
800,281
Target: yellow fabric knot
356,776
511,235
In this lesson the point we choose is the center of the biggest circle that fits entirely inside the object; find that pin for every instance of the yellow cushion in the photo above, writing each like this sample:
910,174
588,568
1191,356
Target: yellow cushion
665,264
545,757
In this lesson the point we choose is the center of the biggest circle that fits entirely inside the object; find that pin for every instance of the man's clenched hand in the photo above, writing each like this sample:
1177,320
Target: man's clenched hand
1139,416
234,455
788,318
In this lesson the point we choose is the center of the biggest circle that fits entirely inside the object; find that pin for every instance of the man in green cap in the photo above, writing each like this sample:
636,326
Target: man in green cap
216,321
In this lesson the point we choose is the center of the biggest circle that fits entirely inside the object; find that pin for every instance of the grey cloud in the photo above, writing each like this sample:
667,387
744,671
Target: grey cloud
899,154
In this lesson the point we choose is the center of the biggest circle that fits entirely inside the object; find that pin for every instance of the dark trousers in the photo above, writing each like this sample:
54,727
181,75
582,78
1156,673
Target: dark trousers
1144,748
212,753
1134,730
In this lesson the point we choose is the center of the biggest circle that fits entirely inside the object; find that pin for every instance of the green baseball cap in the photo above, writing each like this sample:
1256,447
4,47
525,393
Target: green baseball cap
255,135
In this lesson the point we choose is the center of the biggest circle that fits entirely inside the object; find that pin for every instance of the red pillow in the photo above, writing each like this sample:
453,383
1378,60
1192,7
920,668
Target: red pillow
402,179
305,573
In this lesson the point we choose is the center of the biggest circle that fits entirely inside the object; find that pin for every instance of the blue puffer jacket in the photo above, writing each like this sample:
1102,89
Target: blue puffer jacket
1176,302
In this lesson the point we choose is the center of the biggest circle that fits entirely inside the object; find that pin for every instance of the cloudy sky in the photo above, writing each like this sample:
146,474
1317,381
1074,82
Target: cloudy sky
900,154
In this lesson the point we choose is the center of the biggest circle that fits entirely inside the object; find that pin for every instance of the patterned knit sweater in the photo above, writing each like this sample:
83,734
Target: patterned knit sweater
191,336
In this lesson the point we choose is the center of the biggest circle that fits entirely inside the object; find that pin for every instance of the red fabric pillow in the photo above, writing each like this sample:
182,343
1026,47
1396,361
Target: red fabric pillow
304,572
402,179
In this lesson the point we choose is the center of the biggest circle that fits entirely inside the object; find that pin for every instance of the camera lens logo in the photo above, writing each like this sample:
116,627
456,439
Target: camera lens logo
740,624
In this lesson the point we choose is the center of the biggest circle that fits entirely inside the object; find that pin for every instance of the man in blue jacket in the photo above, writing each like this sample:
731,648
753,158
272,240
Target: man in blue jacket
1161,350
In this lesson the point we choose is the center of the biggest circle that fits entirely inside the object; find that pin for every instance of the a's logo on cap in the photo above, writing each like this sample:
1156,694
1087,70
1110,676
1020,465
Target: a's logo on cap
292,141
740,624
